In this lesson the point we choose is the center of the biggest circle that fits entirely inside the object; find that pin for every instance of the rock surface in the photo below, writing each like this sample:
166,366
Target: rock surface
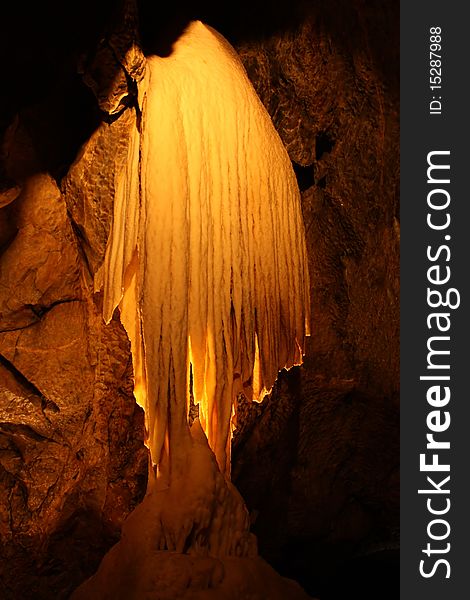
72,457
189,541
330,432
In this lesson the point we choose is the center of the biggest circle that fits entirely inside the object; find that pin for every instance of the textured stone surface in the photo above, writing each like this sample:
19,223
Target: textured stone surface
328,439
337,112
188,541
71,449
329,486
113,70
89,186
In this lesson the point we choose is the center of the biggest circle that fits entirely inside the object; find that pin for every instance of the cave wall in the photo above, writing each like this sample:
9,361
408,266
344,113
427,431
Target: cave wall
326,501
317,463
73,462
334,100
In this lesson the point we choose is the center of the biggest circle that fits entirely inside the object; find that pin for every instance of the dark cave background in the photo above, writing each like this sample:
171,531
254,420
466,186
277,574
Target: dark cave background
318,462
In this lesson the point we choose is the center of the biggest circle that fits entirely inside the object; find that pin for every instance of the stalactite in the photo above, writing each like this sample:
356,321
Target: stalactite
206,261
206,258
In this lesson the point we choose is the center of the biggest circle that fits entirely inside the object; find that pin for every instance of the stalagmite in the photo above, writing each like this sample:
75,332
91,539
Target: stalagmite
206,259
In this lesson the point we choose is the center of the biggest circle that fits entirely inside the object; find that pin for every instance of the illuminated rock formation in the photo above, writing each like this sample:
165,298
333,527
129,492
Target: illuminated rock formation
206,258
206,261
189,541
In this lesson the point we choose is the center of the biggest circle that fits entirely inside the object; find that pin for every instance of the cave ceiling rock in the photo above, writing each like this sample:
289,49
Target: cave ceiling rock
117,66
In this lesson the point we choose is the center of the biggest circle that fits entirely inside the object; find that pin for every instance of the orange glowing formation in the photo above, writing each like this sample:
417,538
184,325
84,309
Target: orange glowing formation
206,259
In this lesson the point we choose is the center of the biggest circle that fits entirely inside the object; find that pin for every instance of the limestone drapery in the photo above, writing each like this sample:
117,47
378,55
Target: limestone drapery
206,258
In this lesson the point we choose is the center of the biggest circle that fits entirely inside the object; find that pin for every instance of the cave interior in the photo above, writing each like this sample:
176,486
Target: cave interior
317,461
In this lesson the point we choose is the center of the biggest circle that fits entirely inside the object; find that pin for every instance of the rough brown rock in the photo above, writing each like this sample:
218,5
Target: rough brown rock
72,457
90,184
328,438
336,110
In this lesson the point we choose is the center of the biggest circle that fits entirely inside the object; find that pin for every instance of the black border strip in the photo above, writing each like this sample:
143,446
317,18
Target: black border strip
422,133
